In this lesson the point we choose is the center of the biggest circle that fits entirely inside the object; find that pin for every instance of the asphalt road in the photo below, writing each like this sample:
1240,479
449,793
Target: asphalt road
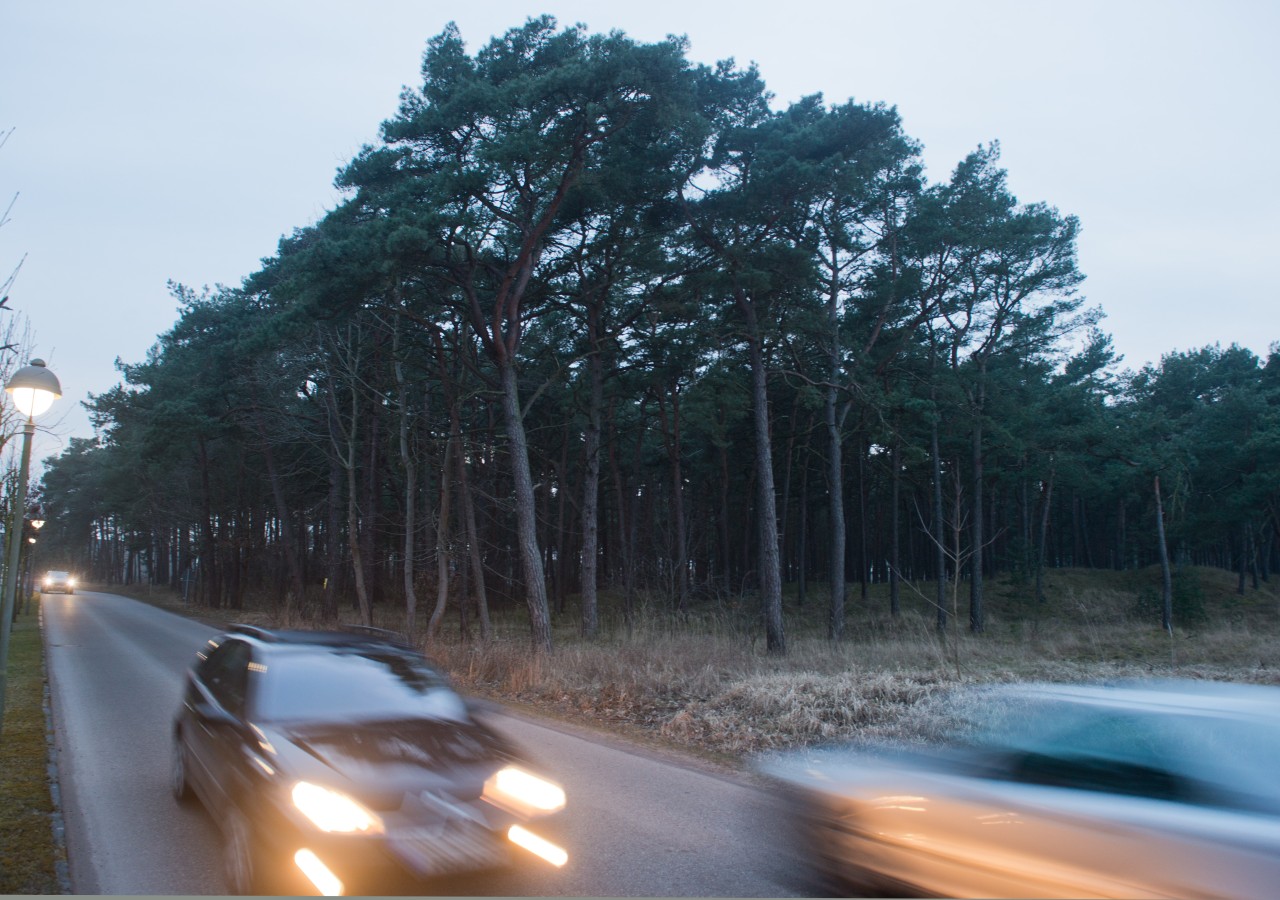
638,824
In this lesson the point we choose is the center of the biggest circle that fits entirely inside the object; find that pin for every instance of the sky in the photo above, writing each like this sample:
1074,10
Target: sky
157,141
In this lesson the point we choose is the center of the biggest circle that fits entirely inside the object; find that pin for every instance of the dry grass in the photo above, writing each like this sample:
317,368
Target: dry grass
705,682
717,691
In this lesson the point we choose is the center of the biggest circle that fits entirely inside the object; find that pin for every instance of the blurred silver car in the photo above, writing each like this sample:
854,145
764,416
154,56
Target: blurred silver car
1160,789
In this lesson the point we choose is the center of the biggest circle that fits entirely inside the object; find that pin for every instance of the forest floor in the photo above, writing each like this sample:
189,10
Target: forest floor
704,683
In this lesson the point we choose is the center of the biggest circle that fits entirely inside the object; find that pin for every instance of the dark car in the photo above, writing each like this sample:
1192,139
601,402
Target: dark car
1153,789
340,763
60,582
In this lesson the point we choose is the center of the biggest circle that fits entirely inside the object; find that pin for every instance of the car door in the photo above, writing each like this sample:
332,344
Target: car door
217,698
1097,811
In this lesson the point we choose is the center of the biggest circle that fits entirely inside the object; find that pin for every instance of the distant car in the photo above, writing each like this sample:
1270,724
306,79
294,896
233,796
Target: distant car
345,763
1164,789
60,582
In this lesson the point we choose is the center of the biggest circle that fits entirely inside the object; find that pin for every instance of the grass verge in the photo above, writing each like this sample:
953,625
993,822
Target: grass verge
28,852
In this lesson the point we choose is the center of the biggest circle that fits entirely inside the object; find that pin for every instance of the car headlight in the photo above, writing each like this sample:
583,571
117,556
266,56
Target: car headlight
331,810
522,792
71,582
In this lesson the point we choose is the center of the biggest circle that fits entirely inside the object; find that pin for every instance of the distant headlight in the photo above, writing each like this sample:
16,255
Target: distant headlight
522,792
333,811
71,582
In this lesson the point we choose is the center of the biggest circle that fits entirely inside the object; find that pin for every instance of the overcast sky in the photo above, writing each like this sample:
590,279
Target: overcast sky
167,140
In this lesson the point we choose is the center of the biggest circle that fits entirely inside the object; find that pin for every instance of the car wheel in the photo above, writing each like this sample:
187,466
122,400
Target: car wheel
238,855
178,781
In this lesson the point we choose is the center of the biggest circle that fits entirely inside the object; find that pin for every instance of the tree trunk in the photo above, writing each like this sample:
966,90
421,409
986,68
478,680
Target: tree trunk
353,543
560,574
333,532
295,593
726,569
957,534
1077,554
1085,540
835,491
624,514
410,466
1044,531
785,541
476,586
939,530
802,551
1166,577
675,451
346,445
895,562
1253,554
442,537
591,490
1026,555
863,561
535,583
767,514
370,508
1120,536
209,582
1242,567
976,615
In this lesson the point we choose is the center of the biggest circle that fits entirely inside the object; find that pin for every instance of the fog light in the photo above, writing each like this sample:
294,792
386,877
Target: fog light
325,881
522,837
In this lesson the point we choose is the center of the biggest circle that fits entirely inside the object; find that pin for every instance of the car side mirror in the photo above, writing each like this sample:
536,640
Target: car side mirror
212,714
477,706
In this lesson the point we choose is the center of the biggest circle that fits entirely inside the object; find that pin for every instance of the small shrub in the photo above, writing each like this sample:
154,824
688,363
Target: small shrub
1188,601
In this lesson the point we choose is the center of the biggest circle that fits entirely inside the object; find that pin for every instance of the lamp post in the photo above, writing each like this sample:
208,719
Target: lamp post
33,388
36,519
29,582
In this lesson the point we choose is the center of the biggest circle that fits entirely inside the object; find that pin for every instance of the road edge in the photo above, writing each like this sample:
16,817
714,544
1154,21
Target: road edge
61,866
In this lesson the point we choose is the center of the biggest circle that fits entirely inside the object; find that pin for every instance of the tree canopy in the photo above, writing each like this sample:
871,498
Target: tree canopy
596,325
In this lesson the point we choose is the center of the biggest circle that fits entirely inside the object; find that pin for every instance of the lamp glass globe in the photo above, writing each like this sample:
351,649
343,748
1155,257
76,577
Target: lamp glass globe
31,401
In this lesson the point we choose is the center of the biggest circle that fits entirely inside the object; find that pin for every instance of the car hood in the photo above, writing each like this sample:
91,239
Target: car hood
380,762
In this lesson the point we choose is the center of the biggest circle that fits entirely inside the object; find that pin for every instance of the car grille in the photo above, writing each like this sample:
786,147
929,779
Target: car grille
455,846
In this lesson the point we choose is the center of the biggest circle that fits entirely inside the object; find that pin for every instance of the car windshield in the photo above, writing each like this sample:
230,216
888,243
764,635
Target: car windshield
350,685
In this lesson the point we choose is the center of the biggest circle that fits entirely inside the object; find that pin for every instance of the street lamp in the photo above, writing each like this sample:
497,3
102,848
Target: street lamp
33,388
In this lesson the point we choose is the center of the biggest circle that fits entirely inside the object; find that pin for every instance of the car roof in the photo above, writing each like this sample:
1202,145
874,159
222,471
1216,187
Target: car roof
350,636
